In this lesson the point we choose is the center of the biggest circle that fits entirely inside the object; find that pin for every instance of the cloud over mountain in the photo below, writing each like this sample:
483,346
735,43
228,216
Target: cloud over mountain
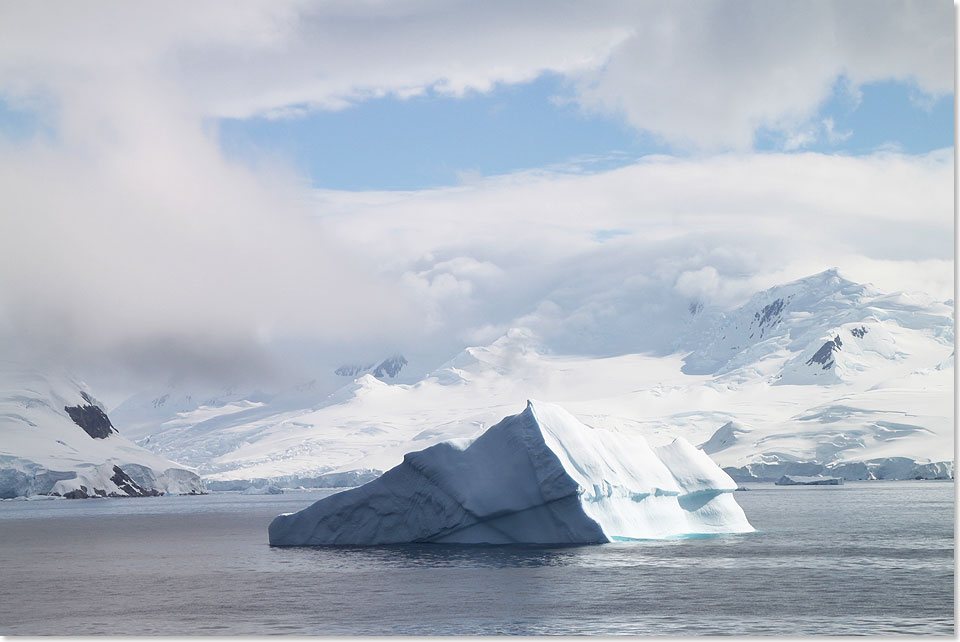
130,243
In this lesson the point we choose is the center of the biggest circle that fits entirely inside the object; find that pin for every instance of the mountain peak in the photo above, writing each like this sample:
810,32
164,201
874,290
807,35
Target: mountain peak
826,283
793,315
389,368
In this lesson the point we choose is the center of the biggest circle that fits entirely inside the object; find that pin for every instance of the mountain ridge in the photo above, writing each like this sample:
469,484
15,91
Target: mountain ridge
820,373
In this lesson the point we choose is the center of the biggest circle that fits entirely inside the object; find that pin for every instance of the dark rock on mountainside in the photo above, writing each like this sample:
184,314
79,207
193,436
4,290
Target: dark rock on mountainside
91,418
770,313
127,486
824,356
79,493
130,487
386,369
390,367
351,370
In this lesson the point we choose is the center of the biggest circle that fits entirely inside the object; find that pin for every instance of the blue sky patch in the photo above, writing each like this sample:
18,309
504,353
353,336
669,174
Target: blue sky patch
888,115
19,123
433,140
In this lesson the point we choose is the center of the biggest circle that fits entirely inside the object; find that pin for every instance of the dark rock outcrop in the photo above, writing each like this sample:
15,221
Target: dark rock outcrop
390,367
130,487
386,369
770,313
824,356
79,493
351,370
92,419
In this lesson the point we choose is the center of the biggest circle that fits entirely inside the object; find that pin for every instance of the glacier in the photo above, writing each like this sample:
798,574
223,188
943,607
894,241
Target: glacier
537,477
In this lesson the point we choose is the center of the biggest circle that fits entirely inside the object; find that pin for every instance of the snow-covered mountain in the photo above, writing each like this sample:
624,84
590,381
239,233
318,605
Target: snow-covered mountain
815,375
56,438
801,318
141,413
175,419
874,372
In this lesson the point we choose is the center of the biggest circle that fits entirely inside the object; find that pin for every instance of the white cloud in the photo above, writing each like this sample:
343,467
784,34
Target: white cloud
713,230
154,256
705,74
699,285
244,58
711,73
129,242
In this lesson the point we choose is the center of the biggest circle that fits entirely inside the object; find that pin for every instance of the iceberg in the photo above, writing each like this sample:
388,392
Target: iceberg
815,480
538,477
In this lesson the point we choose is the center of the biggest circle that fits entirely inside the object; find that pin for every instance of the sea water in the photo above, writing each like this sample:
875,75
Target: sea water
862,558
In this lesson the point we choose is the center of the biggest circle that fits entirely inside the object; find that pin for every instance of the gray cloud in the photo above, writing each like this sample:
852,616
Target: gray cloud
142,247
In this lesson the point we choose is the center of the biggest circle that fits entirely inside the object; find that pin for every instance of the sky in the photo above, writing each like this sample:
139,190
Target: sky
252,191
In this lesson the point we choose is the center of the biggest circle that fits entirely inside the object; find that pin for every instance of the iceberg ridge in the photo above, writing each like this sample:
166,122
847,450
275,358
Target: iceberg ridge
538,477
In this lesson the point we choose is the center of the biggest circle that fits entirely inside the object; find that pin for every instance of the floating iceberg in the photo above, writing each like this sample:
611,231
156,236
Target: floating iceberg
815,480
539,477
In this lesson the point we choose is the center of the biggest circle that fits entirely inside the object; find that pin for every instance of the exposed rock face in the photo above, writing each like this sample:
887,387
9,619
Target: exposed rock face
42,451
120,485
351,370
129,487
386,369
769,315
77,493
91,418
390,367
824,356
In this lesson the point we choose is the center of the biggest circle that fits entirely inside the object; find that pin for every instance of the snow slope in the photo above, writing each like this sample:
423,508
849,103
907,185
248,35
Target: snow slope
539,477
194,425
143,412
878,403
56,438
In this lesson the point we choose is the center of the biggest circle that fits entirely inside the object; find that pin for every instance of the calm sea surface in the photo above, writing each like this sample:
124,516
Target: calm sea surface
863,558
